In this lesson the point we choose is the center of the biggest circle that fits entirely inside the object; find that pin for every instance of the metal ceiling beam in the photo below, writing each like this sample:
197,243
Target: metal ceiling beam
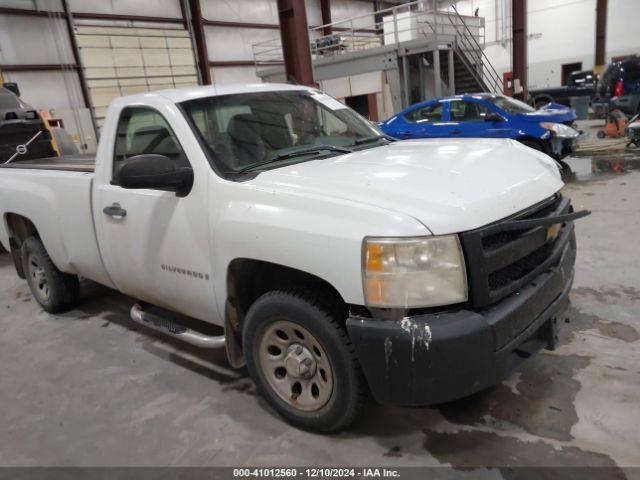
126,18
76,56
272,26
325,9
294,33
90,16
201,42
240,63
223,23
38,67
24,11
519,49
601,32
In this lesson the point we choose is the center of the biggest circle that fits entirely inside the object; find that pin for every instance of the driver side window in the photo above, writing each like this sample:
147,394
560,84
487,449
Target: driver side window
464,111
142,131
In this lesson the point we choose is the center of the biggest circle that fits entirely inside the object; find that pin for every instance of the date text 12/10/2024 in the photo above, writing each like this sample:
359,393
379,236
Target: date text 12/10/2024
316,472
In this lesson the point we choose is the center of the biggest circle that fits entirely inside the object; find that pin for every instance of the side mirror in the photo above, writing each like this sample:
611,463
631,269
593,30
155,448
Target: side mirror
494,117
156,172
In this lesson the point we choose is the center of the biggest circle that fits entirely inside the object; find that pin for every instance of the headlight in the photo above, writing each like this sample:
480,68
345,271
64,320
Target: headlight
560,130
413,272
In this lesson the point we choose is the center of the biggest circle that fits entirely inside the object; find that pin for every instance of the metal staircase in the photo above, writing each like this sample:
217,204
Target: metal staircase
473,68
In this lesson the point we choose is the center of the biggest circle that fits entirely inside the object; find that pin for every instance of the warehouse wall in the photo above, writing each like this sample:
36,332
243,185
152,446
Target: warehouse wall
32,40
559,31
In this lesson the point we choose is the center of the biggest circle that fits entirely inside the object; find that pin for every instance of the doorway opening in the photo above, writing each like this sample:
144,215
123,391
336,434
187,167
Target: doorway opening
365,105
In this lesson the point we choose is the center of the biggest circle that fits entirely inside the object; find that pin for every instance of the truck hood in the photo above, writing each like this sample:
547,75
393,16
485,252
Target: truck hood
553,112
449,185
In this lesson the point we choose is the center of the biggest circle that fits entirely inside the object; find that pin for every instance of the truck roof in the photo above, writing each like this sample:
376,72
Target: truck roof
178,95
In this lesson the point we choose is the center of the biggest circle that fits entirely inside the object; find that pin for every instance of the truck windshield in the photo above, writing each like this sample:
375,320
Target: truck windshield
511,105
261,129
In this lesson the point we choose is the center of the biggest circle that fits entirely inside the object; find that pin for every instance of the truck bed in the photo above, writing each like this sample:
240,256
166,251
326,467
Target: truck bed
71,163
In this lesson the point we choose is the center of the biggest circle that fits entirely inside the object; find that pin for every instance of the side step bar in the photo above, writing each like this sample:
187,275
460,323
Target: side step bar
176,330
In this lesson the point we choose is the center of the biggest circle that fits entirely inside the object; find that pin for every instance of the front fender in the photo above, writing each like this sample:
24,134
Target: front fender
319,236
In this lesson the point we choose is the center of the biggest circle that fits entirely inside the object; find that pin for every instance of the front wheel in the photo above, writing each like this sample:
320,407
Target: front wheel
54,290
300,357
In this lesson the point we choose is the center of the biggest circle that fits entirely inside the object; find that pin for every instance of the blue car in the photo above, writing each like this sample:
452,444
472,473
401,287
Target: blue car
490,116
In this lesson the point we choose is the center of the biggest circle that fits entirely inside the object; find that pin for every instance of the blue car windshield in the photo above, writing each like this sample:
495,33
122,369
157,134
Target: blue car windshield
510,105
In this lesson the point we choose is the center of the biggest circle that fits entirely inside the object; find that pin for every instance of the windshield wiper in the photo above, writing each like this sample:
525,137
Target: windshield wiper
296,153
373,138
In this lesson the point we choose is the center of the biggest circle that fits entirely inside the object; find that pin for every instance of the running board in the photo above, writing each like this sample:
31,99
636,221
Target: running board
174,329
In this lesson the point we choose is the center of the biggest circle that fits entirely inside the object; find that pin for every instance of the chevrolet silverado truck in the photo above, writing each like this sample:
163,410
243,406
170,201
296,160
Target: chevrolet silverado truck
273,221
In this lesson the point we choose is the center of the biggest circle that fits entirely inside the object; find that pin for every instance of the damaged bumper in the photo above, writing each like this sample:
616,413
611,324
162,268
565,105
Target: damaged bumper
562,147
434,358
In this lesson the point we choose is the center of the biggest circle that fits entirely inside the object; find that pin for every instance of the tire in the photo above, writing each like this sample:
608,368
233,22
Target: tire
533,144
339,392
54,290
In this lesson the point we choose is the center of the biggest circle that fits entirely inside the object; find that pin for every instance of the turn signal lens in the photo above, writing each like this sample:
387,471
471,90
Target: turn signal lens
374,257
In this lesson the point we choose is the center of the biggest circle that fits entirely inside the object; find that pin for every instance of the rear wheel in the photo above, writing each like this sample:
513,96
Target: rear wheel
54,290
302,361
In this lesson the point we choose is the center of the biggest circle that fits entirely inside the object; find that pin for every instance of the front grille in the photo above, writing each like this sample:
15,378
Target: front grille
518,269
498,239
501,262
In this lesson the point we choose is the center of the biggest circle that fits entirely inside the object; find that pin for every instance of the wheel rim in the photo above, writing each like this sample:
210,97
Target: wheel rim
296,366
38,278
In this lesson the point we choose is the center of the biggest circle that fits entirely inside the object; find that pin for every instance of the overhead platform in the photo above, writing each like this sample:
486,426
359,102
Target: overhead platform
422,52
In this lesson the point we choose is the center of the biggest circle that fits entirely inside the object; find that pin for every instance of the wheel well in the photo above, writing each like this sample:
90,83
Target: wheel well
248,279
20,228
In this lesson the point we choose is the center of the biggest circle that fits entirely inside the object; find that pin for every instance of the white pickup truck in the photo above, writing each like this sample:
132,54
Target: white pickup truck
275,222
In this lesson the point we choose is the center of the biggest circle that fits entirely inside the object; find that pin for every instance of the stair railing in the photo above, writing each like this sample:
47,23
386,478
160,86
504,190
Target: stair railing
473,56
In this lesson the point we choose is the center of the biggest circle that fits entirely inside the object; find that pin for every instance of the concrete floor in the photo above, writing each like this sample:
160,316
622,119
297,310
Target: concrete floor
89,388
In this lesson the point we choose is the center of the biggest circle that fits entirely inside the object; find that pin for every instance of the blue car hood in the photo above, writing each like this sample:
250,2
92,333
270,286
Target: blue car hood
553,112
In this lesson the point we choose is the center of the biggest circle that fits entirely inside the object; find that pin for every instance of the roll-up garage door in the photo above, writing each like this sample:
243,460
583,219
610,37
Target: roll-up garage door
125,60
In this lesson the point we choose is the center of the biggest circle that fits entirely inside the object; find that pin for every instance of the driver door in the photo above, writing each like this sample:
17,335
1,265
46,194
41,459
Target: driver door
470,120
155,244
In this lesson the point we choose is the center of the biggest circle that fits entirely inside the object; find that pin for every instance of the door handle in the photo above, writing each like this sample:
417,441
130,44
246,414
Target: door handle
115,210
456,131
403,134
